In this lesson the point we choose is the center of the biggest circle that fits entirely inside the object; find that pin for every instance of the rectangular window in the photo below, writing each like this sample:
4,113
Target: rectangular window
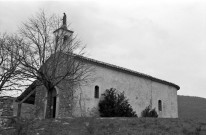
159,105
96,92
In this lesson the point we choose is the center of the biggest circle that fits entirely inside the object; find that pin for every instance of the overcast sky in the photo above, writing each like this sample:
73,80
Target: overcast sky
162,38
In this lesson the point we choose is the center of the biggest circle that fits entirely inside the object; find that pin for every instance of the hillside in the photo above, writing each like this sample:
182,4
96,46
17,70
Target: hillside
110,126
191,107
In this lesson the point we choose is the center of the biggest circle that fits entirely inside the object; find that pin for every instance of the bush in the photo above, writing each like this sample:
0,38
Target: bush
148,112
115,104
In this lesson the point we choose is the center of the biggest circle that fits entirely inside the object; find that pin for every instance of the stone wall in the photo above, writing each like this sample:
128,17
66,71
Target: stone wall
63,101
6,106
40,101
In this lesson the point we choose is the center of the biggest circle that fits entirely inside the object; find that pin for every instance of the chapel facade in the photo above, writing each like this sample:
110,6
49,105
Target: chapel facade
142,90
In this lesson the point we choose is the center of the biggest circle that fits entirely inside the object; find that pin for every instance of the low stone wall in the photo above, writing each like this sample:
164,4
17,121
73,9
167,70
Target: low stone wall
7,121
7,106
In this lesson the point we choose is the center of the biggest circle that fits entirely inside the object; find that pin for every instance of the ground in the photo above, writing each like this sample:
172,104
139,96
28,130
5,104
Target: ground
113,126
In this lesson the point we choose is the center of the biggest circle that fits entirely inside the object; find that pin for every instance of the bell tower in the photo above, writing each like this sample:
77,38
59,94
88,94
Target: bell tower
63,37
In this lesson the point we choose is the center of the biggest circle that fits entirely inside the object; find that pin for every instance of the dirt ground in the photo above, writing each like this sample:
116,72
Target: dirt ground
112,126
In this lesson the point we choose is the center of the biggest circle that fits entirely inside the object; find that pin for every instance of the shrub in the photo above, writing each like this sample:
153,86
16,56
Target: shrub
115,104
148,112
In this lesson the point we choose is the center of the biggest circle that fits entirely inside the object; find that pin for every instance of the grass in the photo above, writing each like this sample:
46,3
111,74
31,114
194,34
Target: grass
114,126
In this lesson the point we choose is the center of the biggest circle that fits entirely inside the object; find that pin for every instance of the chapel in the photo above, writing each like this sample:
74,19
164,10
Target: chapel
141,89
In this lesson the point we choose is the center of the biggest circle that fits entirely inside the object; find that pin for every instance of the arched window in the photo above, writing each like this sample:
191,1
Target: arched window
159,105
96,91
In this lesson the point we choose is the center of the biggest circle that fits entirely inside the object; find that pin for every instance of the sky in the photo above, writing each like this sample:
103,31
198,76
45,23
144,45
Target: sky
162,38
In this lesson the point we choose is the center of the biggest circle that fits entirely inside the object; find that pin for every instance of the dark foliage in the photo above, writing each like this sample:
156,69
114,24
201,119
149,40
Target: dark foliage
115,104
148,112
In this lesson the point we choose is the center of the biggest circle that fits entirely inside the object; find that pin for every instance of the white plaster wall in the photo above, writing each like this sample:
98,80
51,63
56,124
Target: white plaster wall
140,92
168,96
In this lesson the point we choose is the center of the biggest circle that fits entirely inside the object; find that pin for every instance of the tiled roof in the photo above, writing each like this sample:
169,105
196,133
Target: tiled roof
27,91
130,71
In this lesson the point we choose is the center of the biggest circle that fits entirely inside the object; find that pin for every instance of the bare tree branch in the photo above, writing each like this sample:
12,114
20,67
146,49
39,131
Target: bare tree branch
9,71
51,59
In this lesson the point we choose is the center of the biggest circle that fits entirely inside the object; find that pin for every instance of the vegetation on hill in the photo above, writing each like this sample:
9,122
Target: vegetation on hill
191,107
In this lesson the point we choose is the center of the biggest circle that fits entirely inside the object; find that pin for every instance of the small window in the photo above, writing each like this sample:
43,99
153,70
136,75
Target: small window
159,105
96,92
65,39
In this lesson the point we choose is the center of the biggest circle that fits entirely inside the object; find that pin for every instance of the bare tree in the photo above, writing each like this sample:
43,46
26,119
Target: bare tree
9,72
50,54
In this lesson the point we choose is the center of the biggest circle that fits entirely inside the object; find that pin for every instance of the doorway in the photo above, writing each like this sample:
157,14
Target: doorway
54,99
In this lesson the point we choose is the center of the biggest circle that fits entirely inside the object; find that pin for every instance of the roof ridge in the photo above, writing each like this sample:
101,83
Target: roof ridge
131,71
